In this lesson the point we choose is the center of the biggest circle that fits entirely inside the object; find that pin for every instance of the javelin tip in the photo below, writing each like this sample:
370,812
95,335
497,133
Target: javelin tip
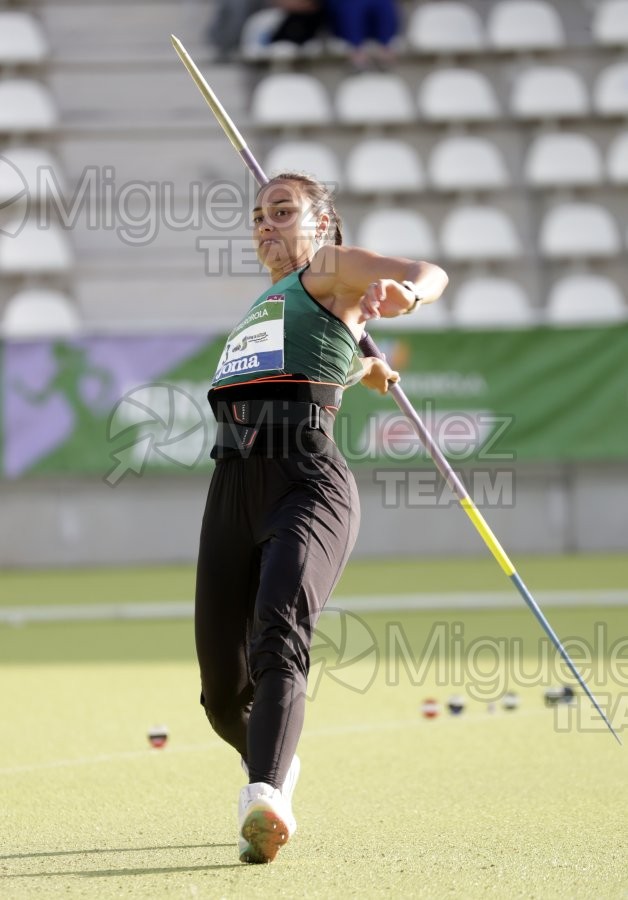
178,46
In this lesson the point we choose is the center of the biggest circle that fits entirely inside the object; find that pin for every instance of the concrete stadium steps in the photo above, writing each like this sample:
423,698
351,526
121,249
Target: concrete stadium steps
165,158
106,32
141,240
182,303
160,96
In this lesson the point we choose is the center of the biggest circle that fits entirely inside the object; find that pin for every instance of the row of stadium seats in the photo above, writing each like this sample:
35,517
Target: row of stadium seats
437,27
511,25
446,95
481,302
456,27
468,234
461,163
290,99
389,165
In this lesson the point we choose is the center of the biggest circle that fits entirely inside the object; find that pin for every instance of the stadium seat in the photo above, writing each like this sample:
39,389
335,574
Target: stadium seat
290,98
585,297
467,163
445,27
610,94
25,106
397,232
457,95
617,159
579,229
479,232
384,165
33,249
524,25
491,301
39,313
22,40
257,31
25,168
304,156
374,98
610,22
546,92
563,158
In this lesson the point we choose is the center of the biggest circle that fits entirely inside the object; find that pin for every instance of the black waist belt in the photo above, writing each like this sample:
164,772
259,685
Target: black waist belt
281,422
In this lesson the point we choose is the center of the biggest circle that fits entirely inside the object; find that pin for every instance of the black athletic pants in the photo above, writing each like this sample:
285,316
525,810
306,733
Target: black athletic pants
276,535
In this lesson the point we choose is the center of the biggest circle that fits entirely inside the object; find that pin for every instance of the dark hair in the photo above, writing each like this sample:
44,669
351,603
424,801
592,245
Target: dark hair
321,197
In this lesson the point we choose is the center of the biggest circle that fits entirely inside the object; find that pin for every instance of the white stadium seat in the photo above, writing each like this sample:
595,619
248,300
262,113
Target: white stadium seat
257,31
584,298
34,249
26,168
40,313
304,156
610,94
617,159
397,232
374,98
491,301
21,39
479,232
383,165
25,106
290,98
579,229
524,25
563,158
457,95
545,92
467,163
445,27
610,22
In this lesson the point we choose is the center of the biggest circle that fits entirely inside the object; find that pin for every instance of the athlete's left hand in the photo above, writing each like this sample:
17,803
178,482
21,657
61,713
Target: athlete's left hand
377,374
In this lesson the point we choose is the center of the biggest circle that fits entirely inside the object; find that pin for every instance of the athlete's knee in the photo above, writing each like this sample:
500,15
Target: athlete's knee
280,653
227,715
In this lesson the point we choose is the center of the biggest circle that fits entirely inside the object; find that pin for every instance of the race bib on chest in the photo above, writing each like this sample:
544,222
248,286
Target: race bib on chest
257,343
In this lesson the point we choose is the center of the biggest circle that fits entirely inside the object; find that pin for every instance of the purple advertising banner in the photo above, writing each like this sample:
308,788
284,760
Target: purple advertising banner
59,395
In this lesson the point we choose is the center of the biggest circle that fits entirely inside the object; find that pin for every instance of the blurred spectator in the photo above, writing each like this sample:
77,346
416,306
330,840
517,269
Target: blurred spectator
226,27
303,20
359,21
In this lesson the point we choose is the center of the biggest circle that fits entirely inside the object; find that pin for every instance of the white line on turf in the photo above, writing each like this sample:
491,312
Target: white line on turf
107,757
182,609
325,731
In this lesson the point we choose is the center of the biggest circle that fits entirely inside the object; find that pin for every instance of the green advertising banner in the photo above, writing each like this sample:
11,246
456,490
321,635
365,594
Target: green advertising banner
540,394
115,405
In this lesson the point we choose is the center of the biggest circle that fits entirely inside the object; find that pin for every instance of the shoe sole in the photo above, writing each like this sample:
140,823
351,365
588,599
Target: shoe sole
266,833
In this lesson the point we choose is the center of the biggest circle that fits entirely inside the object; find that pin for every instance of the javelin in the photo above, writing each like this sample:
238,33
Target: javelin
369,348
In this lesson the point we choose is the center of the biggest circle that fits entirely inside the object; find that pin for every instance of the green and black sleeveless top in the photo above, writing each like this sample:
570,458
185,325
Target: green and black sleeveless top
286,332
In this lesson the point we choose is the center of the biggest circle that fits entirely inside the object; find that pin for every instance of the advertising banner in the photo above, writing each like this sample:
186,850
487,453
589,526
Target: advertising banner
117,404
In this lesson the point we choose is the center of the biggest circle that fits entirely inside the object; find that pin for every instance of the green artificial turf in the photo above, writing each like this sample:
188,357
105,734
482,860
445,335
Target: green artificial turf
362,576
521,804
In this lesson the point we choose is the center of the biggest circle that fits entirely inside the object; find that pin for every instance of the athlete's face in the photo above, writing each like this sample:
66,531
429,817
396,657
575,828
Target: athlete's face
285,229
